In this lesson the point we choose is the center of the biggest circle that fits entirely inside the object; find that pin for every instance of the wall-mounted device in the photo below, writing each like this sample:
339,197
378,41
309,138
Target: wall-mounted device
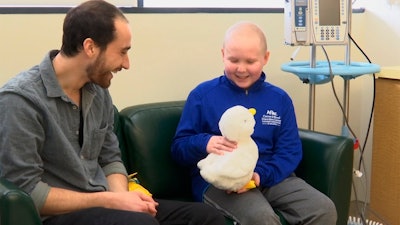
316,22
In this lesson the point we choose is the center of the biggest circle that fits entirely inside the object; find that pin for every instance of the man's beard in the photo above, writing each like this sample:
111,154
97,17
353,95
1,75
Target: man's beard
98,74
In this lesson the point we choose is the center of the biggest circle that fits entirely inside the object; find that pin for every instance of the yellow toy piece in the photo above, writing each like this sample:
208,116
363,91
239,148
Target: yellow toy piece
133,185
250,185
253,111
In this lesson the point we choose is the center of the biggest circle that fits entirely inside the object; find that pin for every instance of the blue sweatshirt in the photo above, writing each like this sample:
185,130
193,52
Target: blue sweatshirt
276,132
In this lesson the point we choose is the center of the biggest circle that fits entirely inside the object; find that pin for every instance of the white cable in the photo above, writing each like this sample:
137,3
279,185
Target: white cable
357,173
295,53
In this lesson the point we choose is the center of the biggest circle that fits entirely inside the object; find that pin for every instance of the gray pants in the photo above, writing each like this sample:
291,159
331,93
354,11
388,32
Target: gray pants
297,201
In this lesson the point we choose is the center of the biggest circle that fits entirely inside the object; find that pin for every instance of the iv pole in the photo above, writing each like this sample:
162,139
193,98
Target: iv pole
311,100
346,91
346,87
318,72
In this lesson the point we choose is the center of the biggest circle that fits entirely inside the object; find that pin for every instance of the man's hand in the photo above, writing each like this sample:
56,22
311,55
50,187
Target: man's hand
120,198
133,201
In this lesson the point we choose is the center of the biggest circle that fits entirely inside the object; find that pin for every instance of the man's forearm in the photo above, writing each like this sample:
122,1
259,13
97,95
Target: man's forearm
60,201
117,182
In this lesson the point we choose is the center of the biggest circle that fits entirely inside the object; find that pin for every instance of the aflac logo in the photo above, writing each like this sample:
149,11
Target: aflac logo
271,113
271,118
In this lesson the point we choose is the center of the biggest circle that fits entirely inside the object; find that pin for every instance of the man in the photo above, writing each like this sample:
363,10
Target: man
244,55
56,132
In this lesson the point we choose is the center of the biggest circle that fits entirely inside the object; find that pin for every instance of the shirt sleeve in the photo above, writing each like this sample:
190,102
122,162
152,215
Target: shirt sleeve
190,142
21,137
110,155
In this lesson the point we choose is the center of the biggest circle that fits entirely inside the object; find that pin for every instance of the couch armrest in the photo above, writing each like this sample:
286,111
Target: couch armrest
327,165
16,206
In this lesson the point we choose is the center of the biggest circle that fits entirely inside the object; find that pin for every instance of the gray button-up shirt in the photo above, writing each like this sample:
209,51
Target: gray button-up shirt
39,135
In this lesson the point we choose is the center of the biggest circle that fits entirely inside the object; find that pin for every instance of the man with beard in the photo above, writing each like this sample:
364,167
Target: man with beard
56,131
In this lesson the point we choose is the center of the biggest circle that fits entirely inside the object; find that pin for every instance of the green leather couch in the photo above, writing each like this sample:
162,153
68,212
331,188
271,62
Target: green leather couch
145,133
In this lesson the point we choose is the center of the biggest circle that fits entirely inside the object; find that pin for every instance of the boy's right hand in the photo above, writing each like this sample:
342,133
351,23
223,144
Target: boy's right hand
219,145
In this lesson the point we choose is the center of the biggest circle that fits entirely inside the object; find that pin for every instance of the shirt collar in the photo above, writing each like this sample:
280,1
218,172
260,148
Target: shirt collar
48,76
253,87
50,80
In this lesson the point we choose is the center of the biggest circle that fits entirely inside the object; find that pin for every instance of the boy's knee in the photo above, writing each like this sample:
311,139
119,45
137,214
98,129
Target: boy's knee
331,211
328,212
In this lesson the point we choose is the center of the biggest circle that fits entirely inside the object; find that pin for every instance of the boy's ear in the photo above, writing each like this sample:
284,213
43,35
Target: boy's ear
266,57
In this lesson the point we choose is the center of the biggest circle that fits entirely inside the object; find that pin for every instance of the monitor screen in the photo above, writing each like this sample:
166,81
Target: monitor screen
301,2
329,12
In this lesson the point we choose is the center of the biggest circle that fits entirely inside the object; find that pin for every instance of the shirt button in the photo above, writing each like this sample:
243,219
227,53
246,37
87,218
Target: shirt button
74,107
77,132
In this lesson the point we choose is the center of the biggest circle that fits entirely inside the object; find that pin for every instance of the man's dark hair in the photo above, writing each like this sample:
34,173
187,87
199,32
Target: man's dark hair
92,19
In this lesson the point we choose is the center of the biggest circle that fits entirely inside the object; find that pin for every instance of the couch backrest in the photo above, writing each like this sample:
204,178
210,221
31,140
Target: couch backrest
148,131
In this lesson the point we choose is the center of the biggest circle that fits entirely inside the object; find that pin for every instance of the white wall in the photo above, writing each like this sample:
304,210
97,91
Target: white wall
174,52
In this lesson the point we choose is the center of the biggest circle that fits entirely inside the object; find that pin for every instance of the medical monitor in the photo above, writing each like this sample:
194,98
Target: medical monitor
316,22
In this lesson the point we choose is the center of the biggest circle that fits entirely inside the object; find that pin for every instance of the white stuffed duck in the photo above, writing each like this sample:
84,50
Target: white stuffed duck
233,170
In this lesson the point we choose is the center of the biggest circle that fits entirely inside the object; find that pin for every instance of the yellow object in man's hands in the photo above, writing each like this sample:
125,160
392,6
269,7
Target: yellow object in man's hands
133,185
250,185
